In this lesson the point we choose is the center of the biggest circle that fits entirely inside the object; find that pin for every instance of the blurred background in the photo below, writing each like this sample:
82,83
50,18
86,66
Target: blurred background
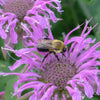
75,12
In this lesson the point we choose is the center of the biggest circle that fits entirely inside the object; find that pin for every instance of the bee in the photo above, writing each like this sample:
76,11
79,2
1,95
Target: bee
51,46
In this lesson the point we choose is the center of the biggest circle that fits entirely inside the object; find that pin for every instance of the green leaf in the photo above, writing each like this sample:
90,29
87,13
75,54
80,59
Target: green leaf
90,2
4,66
3,80
9,89
19,45
1,45
91,10
94,98
26,96
97,34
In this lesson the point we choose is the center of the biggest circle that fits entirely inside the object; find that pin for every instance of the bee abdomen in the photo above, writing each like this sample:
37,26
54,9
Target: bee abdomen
43,49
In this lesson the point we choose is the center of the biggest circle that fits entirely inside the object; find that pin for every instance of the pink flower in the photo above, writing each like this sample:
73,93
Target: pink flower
74,76
2,95
20,18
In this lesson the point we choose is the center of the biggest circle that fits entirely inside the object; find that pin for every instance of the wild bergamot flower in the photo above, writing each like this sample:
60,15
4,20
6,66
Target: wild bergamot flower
74,76
20,18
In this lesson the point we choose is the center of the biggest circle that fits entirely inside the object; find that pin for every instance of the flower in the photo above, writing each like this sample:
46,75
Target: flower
74,76
19,18
2,95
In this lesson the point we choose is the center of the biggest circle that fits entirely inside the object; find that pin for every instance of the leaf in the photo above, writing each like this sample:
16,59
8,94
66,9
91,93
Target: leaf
26,96
9,89
4,66
90,2
1,45
94,98
19,45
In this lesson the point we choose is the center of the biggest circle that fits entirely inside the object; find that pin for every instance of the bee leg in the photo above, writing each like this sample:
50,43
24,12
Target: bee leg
46,56
63,55
56,56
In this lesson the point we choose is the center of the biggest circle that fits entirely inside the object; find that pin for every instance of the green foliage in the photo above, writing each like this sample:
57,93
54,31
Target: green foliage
1,45
9,89
89,1
7,82
94,98
19,45
4,80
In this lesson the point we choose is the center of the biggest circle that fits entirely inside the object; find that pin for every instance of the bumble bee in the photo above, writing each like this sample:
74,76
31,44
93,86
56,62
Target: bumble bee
51,46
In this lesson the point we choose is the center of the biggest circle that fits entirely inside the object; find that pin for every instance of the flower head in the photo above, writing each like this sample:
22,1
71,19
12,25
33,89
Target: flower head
18,7
20,18
74,76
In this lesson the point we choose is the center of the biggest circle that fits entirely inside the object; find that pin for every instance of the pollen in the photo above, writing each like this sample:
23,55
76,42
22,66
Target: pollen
17,7
59,73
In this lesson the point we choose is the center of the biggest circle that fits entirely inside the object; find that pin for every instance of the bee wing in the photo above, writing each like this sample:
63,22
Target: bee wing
43,43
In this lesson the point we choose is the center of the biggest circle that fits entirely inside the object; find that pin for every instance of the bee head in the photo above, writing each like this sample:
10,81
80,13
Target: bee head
64,49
